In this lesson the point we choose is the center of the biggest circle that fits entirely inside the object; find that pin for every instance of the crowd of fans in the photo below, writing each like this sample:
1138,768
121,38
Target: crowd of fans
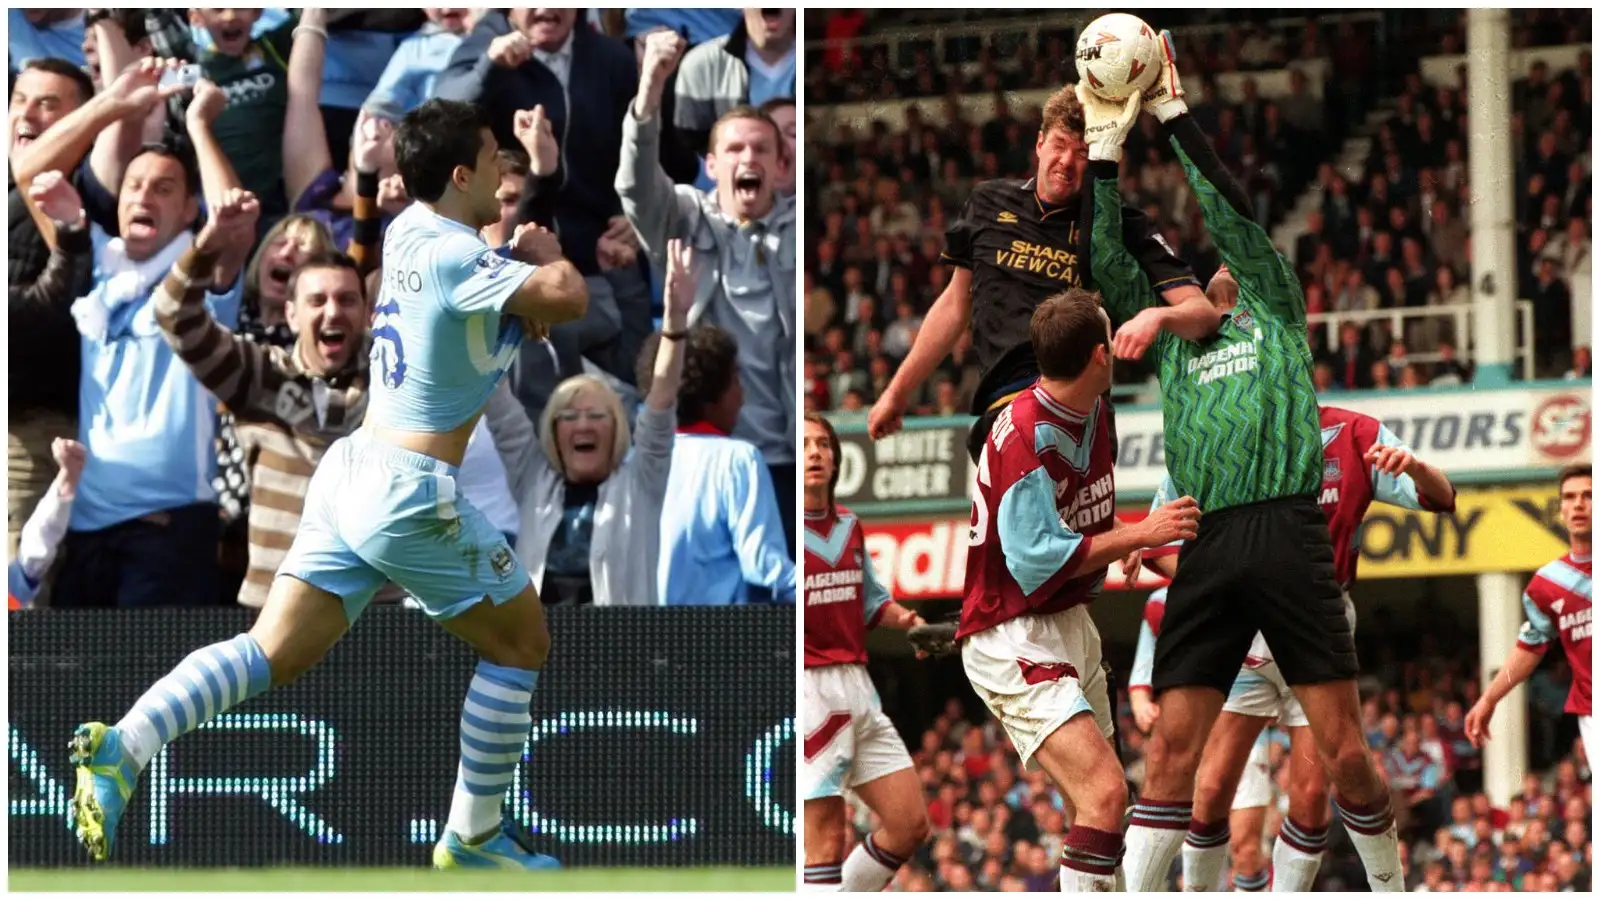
198,200
997,827
1393,237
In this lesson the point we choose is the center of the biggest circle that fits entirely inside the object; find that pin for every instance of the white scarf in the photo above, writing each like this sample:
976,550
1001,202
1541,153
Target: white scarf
123,280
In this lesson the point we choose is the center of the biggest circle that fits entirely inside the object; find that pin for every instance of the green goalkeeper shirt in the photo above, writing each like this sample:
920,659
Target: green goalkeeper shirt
1239,409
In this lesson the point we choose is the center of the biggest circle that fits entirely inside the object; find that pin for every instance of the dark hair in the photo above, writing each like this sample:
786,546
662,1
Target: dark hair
1065,331
50,65
744,112
776,103
183,154
432,141
512,162
327,259
833,445
1574,470
710,364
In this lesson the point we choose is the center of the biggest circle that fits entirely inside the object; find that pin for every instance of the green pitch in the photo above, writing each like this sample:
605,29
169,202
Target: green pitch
398,880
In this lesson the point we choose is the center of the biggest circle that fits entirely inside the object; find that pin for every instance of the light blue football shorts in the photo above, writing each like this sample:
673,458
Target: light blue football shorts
376,512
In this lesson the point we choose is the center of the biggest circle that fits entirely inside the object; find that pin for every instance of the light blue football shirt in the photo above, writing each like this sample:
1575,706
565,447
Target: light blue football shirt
440,338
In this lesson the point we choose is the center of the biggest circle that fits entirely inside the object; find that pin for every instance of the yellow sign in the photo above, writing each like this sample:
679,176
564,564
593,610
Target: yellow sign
1495,530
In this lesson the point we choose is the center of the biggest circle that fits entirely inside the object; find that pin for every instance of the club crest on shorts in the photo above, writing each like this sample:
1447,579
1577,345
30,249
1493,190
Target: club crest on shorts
501,561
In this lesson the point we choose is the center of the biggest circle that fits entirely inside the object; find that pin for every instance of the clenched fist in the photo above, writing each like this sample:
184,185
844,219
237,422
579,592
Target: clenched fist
510,50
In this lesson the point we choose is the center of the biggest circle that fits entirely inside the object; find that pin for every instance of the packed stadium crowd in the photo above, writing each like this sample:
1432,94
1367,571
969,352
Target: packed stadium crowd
199,200
999,827
1390,234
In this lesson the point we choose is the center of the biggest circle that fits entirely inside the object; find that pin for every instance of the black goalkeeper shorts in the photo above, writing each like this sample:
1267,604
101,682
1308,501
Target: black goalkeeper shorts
1264,567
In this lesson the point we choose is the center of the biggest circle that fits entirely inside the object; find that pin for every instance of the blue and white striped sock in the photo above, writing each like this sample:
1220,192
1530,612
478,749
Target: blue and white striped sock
494,727
208,682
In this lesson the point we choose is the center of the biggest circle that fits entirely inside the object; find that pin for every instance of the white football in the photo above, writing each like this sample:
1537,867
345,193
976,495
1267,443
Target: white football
1118,56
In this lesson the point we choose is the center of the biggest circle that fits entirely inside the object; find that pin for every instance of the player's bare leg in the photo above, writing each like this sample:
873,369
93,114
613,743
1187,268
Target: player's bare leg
1162,814
295,630
297,627
513,641
825,843
897,799
1297,853
1211,827
1360,793
1245,826
1081,762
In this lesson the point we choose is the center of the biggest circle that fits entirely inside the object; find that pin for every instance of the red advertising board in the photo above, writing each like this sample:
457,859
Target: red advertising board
928,560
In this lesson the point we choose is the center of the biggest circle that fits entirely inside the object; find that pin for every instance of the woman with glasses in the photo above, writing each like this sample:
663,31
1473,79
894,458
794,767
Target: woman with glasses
590,510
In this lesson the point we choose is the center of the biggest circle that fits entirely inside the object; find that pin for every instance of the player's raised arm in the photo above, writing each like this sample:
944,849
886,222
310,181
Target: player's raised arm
1400,478
1244,245
537,283
950,315
1117,273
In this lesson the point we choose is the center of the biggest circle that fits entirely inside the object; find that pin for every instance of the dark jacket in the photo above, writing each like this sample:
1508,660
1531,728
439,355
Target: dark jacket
587,118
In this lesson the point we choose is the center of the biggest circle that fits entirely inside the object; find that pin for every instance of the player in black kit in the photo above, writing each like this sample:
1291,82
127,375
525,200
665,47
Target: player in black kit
1015,244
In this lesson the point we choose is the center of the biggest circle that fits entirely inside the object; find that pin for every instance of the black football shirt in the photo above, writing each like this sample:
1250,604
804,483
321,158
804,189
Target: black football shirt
1020,253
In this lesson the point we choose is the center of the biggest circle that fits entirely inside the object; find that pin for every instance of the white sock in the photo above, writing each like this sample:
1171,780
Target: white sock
1205,854
822,878
1372,830
1296,856
494,727
1155,832
870,868
1089,860
206,684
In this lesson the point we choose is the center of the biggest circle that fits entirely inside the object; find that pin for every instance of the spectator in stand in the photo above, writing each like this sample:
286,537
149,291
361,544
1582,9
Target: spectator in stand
721,536
34,34
747,287
753,64
39,322
590,509
46,526
312,184
408,79
1582,363
538,62
782,111
146,501
289,403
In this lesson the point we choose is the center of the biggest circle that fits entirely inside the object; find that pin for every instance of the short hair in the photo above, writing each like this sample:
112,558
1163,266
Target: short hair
51,65
744,112
1574,470
776,103
833,445
182,154
1065,331
1063,110
710,364
512,162
561,398
432,141
327,259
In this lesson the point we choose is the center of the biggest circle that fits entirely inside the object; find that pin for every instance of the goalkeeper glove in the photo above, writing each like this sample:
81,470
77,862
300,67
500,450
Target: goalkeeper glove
1106,123
1164,99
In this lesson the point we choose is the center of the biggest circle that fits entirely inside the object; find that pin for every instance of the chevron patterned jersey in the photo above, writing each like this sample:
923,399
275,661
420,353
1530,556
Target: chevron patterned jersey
1240,411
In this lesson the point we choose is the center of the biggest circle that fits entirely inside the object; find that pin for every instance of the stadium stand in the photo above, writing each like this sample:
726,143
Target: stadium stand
1350,130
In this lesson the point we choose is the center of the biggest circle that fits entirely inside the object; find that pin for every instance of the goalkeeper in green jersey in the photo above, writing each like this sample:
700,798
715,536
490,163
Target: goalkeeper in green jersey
1243,437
